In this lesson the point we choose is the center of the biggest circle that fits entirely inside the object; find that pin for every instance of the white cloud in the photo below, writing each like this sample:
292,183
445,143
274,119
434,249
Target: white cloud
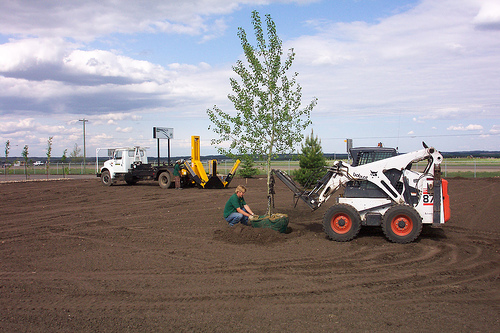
470,127
433,63
124,130
105,63
118,116
86,20
488,16
23,54
495,129
428,63
55,59
20,125
54,77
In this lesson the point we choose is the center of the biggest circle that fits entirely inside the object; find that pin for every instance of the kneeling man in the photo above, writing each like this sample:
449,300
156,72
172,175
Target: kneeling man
236,209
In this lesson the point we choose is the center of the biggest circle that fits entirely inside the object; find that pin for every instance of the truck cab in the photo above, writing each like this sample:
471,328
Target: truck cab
123,165
124,158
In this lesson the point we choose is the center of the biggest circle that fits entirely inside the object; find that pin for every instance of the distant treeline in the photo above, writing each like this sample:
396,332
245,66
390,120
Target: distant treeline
472,154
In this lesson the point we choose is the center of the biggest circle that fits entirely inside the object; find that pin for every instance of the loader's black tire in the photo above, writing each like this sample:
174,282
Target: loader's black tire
165,179
401,224
341,222
106,178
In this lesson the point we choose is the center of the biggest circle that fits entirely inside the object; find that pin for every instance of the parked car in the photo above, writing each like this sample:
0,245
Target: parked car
38,163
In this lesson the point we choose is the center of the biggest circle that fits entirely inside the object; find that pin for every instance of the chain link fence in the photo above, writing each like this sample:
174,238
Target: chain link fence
449,168
60,169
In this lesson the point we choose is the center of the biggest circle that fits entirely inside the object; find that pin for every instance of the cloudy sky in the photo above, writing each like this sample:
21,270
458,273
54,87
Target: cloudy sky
397,72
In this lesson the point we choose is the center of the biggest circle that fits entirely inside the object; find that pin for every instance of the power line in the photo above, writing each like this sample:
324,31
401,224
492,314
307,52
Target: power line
412,136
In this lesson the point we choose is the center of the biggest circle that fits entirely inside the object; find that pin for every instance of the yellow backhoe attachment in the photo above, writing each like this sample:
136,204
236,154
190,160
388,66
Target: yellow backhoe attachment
197,171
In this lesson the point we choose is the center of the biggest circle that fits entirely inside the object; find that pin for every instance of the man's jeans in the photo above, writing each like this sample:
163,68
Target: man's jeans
235,218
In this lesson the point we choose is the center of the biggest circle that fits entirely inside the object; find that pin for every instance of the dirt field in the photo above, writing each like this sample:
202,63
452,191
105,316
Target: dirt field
80,257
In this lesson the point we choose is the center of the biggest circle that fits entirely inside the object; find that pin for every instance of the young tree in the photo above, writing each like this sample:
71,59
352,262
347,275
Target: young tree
269,119
64,156
25,154
49,153
247,169
75,155
63,160
311,161
7,149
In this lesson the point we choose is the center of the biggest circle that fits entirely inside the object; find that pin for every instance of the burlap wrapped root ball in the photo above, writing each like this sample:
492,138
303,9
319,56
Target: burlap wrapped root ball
278,222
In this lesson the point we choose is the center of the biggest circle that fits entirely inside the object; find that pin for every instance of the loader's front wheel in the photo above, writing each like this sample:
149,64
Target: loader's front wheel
165,180
341,222
402,224
106,178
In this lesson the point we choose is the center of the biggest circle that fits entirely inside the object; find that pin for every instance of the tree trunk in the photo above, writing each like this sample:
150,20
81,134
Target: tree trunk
268,169
269,194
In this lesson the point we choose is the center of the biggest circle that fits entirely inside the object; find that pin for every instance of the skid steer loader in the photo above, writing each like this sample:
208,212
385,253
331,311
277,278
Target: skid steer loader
380,189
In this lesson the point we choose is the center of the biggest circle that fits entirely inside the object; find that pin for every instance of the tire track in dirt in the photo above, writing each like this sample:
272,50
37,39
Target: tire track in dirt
111,255
312,277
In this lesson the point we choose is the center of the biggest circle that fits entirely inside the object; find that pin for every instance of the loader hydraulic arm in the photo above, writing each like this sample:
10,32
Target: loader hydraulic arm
375,172
325,187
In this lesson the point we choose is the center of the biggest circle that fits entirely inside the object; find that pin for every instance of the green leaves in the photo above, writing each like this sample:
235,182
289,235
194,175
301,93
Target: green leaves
311,161
268,118
7,149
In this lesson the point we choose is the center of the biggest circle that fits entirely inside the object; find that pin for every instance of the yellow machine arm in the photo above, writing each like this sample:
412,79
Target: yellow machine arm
198,173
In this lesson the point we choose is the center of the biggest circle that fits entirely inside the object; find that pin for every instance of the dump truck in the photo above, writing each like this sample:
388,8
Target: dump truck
379,189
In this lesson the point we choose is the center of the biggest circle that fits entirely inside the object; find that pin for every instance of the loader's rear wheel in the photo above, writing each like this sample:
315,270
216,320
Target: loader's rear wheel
341,222
165,180
106,178
402,224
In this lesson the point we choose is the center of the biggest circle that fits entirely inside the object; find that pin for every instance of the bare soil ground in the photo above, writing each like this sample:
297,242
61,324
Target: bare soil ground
76,256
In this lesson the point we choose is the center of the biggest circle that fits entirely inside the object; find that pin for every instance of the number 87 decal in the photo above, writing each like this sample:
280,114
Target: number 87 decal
428,199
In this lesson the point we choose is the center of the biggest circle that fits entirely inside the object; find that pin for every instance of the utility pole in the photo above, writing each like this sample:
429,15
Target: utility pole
84,151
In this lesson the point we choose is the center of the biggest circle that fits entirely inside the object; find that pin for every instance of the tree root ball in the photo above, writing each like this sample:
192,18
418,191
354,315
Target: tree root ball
278,222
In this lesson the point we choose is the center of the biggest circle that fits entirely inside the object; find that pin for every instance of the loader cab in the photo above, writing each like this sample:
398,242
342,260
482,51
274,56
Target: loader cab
364,188
365,155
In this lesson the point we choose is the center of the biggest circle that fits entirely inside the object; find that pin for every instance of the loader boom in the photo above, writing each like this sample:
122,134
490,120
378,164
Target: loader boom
377,173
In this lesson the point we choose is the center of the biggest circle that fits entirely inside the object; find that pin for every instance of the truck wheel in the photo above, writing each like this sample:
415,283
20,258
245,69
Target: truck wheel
341,222
106,178
165,180
401,224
